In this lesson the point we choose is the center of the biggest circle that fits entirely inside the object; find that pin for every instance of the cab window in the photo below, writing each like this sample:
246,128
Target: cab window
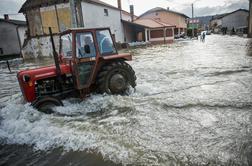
66,45
85,47
105,42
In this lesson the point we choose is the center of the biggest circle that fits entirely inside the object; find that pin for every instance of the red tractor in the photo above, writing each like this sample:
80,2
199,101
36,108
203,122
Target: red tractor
88,62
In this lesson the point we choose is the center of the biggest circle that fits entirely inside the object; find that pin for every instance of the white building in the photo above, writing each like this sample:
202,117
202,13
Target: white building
65,14
230,21
98,14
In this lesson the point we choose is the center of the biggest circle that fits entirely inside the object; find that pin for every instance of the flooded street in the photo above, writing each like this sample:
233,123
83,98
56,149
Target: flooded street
192,106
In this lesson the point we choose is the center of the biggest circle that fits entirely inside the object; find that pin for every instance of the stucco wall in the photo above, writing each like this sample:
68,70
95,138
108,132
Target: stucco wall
94,17
168,17
9,42
237,19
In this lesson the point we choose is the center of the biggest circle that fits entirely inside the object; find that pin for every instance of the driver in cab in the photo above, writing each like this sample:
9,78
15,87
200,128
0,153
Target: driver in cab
88,50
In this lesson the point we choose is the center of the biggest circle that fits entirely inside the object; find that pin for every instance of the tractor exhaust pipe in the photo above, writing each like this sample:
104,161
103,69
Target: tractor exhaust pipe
56,59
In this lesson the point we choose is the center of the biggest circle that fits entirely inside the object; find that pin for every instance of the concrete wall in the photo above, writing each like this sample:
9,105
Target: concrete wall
94,17
9,42
236,20
40,47
168,17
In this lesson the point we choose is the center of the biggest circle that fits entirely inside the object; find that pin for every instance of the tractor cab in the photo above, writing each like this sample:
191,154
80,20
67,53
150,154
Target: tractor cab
84,49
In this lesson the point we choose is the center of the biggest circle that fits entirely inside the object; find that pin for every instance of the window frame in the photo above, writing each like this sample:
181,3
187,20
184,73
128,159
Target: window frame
106,13
93,38
71,45
113,42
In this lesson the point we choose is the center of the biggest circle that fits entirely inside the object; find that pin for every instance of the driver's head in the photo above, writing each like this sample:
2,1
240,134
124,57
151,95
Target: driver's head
88,40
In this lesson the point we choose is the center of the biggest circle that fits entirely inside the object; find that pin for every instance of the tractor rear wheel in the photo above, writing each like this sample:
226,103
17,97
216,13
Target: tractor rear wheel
46,104
116,77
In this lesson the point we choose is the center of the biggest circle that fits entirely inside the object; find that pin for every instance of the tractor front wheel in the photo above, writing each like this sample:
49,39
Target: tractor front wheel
46,104
116,77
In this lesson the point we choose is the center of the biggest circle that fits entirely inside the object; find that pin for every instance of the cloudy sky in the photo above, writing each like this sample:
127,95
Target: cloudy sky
201,7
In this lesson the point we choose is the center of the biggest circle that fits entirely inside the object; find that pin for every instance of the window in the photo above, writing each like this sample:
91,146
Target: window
66,45
106,12
157,33
105,42
1,51
156,13
169,33
85,47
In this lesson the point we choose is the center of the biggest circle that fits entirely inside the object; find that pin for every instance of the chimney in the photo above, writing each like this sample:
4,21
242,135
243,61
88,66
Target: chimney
132,12
119,3
168,8
6,16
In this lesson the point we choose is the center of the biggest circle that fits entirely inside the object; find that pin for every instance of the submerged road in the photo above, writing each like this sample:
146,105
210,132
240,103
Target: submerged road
192,106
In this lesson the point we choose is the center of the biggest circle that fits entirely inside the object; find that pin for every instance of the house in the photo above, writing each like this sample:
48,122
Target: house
230,21
12,35
156,31
167,16
216,22
65,14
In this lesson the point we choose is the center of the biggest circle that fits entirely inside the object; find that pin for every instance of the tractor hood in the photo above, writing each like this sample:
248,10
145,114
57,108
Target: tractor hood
27,79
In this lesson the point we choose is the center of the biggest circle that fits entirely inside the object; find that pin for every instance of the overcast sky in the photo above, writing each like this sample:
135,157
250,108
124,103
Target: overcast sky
201,7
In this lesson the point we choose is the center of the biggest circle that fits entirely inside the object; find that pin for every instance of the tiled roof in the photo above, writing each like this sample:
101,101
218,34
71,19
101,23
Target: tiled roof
30,4
157,9
151,23
16,22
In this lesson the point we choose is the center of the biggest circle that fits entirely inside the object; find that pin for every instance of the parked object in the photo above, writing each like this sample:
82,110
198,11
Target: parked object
80,69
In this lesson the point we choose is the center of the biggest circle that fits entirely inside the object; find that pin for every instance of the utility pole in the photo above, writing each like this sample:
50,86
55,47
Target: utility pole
192,21
73,13
250,20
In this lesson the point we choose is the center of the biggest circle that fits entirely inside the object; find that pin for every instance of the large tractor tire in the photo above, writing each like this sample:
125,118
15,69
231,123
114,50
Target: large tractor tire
115,78
46,104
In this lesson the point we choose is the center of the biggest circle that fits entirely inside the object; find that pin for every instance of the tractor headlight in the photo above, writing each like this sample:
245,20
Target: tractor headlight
26,78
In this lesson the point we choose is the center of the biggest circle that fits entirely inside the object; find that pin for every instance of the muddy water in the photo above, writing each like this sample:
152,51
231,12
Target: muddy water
192,106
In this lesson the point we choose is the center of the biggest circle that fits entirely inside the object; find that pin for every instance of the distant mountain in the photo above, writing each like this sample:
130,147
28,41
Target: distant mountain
204,19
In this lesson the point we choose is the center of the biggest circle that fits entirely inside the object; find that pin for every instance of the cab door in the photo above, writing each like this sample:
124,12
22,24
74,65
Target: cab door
85,59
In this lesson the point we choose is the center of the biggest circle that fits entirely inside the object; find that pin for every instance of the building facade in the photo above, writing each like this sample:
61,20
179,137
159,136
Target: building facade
234,21
12,34
167,16
155,32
